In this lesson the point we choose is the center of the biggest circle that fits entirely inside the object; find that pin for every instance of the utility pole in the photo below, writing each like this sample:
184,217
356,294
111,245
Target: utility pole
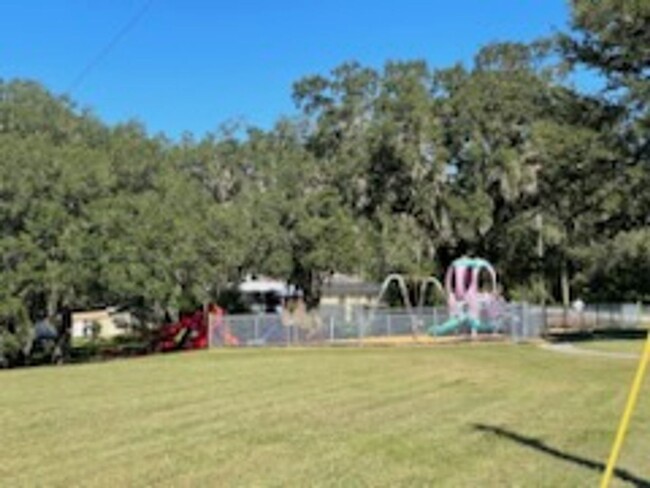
539,225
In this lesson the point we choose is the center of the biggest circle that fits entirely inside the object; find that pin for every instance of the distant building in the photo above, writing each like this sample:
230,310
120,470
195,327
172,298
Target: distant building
347,293
105,323
340,295
263,294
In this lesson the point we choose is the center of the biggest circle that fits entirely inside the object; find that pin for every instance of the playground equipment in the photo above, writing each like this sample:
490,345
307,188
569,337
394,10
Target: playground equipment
472,305
188,333
404,294
414,317
469,306
195,331
428,282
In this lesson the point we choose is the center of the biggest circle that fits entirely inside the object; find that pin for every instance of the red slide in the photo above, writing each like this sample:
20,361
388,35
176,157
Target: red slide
191,332
188,333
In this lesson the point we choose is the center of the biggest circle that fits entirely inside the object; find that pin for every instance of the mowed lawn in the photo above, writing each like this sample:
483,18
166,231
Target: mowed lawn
468,415
615,345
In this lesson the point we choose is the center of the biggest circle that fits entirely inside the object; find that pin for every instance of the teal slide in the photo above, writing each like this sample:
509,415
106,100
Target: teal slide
485,327
454,323
447,327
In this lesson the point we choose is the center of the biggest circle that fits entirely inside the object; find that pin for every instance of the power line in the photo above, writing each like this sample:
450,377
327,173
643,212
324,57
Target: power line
101,55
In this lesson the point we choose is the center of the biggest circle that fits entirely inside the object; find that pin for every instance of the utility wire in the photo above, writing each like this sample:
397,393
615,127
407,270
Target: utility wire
101,55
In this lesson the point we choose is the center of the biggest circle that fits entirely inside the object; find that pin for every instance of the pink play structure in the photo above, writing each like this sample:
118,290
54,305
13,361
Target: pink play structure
470,305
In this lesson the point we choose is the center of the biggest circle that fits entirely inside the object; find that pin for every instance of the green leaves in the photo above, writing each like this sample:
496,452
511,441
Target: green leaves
617,267
612,35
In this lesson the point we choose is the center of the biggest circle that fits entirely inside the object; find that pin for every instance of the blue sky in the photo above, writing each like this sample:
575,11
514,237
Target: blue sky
191,64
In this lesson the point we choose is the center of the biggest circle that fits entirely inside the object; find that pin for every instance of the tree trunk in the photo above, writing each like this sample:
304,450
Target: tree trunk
62,348
565,285
312,291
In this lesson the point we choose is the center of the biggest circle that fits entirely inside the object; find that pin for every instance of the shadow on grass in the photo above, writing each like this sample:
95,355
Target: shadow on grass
538,445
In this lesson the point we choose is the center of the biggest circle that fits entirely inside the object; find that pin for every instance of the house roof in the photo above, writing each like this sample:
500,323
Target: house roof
263,284
91,314
339,284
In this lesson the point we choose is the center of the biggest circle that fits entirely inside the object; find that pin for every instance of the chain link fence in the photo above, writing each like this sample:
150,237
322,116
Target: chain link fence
594,317
336,326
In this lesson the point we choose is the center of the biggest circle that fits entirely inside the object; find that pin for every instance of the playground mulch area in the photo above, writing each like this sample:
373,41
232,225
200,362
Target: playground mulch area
410,340
460,415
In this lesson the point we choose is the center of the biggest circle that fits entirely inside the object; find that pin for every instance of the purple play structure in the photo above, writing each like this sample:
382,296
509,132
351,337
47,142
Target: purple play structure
469,305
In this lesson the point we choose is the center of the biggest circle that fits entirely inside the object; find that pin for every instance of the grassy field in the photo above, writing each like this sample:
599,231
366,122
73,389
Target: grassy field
462,415
614,345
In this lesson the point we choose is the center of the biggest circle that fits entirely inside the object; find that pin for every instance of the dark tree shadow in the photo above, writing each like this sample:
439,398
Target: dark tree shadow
538,445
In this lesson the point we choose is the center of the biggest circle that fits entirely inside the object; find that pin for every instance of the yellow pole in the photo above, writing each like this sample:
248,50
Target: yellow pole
627,414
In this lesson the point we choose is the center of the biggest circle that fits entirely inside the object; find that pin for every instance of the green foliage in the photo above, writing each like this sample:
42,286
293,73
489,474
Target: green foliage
617,269
534,291
611,35
15,331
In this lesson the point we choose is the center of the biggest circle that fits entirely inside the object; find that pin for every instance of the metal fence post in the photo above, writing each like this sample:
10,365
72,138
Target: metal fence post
360,333
525,317
331,324
389,328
